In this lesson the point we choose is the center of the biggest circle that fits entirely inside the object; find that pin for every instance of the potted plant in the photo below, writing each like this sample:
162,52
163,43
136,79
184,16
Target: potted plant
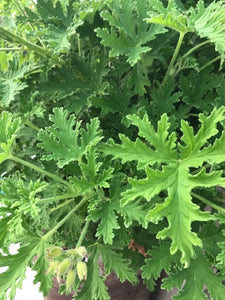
112,146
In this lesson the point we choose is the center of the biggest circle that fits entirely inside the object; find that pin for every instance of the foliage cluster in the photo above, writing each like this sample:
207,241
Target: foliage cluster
112,118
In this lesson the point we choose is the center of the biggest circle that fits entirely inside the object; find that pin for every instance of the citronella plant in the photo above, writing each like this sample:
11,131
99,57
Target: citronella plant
112,145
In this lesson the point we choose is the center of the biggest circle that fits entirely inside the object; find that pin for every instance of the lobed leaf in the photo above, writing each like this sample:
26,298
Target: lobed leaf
198,275
172,175
64,143
9,126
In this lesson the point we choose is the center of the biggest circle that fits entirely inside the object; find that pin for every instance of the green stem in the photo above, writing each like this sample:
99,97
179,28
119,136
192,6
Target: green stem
11,37
207,202
30,124
82,235
196,48
79,44
58,225
210,63
174,57
61,205
40,170
11,49
56,198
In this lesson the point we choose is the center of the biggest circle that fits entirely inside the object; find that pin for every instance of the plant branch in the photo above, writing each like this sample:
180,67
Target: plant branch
56,198
207,202
11,49
32,125
40,170
58,225
11,37
196,48
82,235
61,205
174,57
210,63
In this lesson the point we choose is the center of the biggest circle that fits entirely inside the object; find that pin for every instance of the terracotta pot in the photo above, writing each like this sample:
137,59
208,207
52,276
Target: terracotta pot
116,289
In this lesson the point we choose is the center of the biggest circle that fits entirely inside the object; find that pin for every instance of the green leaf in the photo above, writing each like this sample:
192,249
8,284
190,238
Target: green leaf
17,265
93,289
173,175
164,99
162,142
41,266
113,261
209,22
64,143
9,126
199,274
170,16
198,88
58,38
10,81
127,18
108,221
160,260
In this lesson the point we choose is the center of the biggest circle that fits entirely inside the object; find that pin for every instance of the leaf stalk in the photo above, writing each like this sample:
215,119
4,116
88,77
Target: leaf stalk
207,202
40,170
58,225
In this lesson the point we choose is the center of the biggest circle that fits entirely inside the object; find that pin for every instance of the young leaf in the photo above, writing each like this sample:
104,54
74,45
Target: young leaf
127,17
114,262
173,174
108,220
10,84
209,22
93,289
160,260
170,16
9,126
64,143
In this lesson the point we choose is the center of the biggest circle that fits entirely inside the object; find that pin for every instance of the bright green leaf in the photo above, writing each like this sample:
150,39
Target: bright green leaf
64,143
198,275
9,126
173,176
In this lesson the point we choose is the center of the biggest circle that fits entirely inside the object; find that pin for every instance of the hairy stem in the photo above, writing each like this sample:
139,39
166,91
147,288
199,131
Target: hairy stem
196,48
79,44
61,205
13,38
82,235
57,198
210,63
32,125
40,170
58,225
11,49
174,57
207,202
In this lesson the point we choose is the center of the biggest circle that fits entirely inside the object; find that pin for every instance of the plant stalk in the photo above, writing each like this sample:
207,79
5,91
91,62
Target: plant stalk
40,170
82,235
58,225
61,205
32,125
11,49
196,48
11,37
207,202
56,198
174,57
210,63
